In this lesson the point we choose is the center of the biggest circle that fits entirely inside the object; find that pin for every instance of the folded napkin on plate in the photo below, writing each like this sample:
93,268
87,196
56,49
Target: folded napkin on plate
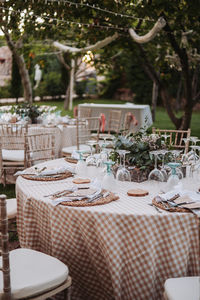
78,198
194,196
57,171
48,172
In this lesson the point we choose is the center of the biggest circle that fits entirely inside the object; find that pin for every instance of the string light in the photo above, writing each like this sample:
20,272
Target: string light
100,9
71,22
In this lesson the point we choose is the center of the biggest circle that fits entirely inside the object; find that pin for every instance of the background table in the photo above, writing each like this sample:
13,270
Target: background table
122,250
141,112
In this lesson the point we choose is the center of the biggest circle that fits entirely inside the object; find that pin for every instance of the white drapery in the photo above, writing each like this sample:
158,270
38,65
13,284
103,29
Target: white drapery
151,34
98,45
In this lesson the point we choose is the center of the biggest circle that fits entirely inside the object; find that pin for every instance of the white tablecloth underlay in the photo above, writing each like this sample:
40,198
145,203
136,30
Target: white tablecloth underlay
141,112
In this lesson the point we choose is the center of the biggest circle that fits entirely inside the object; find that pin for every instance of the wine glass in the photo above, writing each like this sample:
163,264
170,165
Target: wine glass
123,173
162,168
173,179
91,160
108,182
165,136
155,174
176,154
81,164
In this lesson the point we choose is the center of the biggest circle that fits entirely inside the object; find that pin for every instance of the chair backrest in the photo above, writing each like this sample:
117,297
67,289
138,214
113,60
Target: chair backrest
40,147
12,136
175,137
84,112
114,121
85,127
4,248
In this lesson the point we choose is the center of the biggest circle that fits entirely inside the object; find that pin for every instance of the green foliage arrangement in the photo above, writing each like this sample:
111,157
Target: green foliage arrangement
139,145
27,110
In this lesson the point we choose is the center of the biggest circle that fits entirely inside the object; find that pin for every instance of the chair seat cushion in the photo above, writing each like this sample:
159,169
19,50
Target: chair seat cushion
33,272
13,155
183,288
72,148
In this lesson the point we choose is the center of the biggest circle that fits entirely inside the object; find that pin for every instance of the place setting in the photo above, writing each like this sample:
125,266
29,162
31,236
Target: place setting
83,192
45,174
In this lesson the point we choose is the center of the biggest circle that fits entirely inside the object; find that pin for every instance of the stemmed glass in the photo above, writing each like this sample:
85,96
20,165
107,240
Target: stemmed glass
108,182
163,169
91,160
173,179
165,136
155,174
176,154
123,173
81,164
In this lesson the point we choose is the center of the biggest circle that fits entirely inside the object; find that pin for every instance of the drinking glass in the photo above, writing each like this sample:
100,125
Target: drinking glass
155,174
123,173
176,154
165,136
173,179
81,164
163,168
91,159
108,182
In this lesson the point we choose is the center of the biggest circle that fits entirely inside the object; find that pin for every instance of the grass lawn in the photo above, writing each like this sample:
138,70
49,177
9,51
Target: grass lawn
162,121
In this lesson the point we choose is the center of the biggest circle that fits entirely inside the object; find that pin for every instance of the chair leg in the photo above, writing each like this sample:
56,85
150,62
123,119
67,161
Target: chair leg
67,293
4,177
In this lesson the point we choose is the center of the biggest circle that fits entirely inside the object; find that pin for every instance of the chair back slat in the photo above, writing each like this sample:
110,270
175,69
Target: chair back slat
84,129
5,249
85,112
176,137
114,121
12,136
40,147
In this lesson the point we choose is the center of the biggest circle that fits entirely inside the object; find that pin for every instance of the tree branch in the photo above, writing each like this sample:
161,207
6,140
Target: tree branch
62,60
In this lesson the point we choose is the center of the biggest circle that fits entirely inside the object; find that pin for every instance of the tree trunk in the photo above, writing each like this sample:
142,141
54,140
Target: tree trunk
154,100
28,97
22,69
66,101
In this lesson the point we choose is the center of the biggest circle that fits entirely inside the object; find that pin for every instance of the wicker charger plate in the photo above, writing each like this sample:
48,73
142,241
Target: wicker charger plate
48,178
71,160
166,206
111,197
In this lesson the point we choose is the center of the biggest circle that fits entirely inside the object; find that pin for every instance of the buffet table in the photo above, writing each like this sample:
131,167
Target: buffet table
141,112
122,250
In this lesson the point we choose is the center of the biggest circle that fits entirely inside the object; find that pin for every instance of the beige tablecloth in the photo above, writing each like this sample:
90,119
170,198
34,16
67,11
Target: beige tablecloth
123,250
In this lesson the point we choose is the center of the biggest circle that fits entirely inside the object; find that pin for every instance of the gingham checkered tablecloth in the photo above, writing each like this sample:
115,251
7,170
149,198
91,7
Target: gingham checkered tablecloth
123,250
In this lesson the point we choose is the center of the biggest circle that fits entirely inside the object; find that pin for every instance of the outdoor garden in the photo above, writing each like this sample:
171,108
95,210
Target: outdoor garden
134,68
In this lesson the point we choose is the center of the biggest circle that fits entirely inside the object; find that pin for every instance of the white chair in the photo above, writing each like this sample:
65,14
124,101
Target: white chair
12,149
182,288
28,273
85,127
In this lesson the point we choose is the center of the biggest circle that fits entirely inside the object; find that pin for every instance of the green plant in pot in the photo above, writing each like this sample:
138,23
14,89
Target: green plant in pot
139,159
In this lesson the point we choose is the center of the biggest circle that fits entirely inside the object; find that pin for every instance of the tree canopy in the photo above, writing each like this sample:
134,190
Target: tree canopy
81,23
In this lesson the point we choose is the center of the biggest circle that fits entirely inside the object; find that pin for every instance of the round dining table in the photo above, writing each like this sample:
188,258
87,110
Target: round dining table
122,250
